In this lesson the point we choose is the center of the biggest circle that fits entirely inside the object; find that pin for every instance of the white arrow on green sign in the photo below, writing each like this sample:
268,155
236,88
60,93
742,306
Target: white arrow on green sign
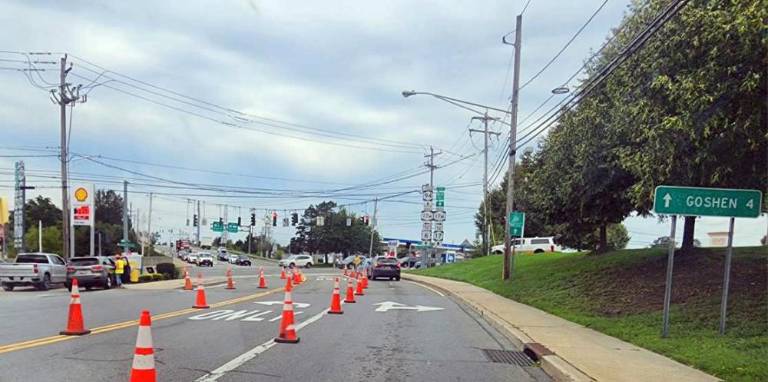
700,201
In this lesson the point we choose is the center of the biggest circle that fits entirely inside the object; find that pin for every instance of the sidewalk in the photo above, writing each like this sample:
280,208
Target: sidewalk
580,353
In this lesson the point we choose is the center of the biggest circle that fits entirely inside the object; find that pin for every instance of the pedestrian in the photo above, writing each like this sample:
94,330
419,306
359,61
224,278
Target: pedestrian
357,261
119,269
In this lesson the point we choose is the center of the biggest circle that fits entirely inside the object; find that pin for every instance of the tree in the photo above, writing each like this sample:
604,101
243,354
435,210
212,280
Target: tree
41,209
51,239
334,236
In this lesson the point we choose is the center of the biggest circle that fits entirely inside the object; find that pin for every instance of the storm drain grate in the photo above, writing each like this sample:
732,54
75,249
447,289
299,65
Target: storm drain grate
508,356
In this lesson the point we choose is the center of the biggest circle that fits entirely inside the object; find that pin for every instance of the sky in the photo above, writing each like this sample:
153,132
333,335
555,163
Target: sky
288,103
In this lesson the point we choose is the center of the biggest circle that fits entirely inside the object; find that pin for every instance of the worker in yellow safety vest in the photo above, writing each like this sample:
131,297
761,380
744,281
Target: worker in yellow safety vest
120,263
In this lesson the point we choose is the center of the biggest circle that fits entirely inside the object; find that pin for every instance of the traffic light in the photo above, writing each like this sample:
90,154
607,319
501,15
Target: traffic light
221,220
366,221
274,219
194,220
253,220
294,218
239,221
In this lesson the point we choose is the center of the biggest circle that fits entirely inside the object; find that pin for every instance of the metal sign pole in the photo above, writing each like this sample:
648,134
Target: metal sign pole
726,277
668,286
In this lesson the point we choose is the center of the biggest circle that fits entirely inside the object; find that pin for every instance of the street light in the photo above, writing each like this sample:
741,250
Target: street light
455,101
560,90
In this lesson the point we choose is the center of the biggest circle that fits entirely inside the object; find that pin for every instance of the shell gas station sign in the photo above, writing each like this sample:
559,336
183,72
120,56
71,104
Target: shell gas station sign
82,206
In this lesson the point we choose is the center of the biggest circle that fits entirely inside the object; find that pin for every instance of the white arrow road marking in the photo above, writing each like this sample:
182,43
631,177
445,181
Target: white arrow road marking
281,316
391,305
667,198
298,305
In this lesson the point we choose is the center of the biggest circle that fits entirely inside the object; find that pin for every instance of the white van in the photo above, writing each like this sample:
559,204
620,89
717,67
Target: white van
530,244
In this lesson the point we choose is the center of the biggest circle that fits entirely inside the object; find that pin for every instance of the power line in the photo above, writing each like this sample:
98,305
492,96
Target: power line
567,44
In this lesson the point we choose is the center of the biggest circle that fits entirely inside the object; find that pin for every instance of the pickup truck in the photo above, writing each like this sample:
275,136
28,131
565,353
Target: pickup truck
36,269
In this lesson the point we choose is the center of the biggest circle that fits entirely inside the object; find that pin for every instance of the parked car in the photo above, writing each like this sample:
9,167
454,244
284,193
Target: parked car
40,270
243,260
296,261
387,267
204,260
91,271
232,259
192,258
530,244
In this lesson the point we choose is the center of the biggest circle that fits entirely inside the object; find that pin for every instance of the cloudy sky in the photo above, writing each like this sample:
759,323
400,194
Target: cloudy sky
286,103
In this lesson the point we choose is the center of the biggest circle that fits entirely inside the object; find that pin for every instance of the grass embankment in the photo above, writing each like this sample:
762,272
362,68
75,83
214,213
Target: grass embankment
621,294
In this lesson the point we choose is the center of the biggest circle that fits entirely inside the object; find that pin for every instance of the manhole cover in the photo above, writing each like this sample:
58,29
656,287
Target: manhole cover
508,356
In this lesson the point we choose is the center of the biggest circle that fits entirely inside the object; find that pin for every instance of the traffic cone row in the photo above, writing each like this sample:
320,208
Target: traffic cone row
359,287
282,273
296,276
350,299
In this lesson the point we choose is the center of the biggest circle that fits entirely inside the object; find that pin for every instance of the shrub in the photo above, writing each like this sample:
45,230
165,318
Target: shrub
145,278
158,277
168,269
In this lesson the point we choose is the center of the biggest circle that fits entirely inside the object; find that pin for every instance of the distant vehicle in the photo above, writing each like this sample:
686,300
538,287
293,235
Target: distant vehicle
182,244
183,255
243,260
204,259
297,261
192,258
91,271
40,270
387,267
223,255
232,258
349,260
530,244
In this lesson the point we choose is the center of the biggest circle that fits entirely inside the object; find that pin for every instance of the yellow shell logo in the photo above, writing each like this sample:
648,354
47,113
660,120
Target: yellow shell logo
81,194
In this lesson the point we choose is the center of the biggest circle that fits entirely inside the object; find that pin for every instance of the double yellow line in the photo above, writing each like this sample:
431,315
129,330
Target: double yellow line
126,324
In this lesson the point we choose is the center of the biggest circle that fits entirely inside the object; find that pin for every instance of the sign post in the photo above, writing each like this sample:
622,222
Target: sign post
700,201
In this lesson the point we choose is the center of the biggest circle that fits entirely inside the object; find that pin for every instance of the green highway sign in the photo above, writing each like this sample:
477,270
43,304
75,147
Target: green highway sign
516,223
699,201
233,228
440,197
217,227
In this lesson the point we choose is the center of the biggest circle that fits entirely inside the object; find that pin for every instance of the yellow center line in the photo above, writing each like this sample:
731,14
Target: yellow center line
126,324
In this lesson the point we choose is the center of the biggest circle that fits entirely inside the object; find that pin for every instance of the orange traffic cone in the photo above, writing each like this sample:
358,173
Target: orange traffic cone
200,299
282,273
359,286
296,277
350,299
262,280
75,325
187,280
288,285
336,299
287,329
365,279
230,283
143,369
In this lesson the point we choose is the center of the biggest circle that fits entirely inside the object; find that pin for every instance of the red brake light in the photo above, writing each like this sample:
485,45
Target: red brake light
34,268
97,268
70,269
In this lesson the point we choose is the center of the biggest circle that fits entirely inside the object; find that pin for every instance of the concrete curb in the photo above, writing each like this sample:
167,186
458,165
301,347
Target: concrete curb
552,364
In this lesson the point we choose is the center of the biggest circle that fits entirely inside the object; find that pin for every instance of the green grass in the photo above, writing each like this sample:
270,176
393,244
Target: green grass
621,294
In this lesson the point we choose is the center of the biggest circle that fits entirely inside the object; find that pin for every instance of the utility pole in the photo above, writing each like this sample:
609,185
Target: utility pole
125,217
138,230
225,234
65,97
485,132
373,226
432,167
199,223
92,238
149,222
509,249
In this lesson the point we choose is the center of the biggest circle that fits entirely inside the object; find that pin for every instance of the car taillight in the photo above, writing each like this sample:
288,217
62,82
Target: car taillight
97,268
70,269
34,268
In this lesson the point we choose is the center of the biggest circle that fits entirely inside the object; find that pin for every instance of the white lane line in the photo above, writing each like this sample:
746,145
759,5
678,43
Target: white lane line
251,354
430,288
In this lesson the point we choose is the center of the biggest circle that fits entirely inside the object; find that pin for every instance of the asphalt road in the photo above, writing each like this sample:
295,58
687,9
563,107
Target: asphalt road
398,331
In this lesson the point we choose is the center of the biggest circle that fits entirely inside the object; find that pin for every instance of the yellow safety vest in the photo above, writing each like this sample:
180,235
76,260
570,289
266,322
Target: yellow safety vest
119,266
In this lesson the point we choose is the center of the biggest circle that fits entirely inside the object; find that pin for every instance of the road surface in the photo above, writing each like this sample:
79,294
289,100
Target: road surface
397,331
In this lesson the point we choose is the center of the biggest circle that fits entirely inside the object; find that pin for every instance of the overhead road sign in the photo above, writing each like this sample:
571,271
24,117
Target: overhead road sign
217,226
700,201
516,223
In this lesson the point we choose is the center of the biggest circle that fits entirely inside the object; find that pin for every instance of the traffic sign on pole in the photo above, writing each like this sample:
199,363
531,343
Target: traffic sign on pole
233,227
217,226
700,201
516,223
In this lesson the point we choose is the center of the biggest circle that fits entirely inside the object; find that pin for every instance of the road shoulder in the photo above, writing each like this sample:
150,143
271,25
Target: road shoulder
567,351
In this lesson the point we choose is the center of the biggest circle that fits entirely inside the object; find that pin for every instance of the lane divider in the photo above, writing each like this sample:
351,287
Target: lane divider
126,324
